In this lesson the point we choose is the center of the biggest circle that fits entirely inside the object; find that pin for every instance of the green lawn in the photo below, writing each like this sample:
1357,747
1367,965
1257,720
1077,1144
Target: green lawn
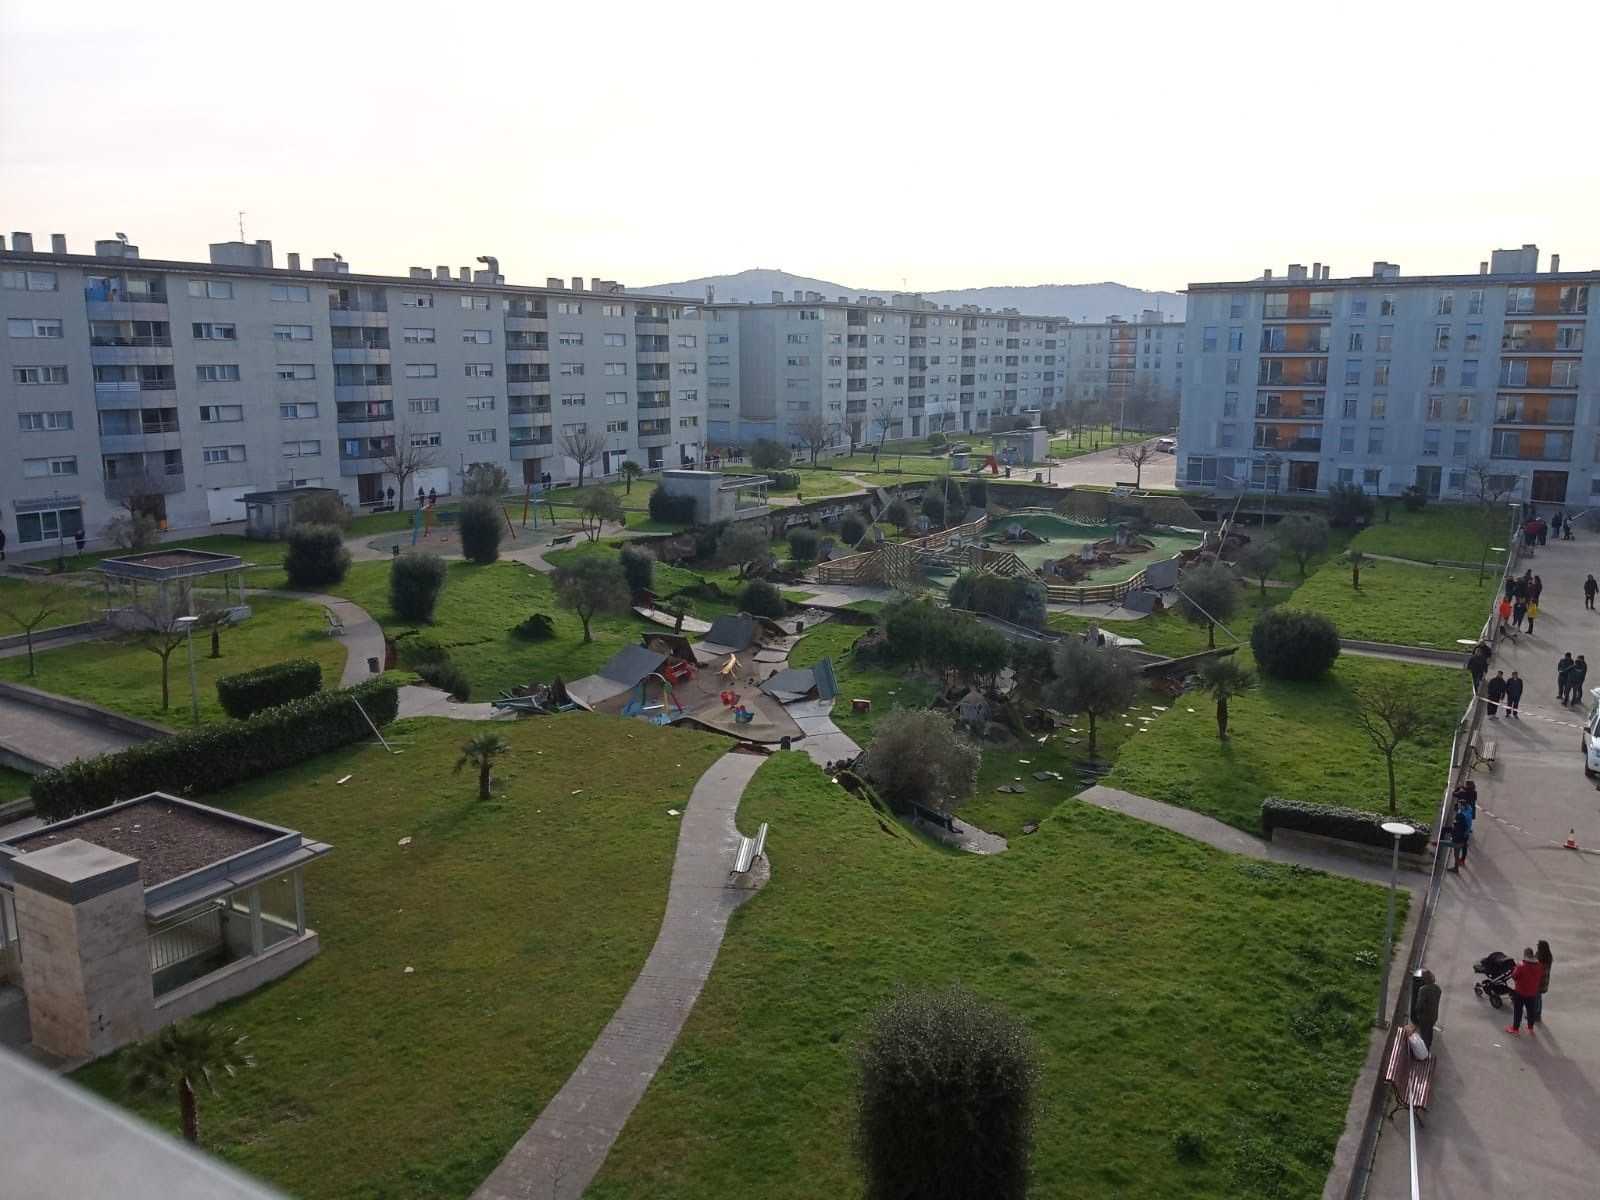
814,482
886,687
1453,533
23,596
525,920
126,679
1170,988
1168,633
13,784
1295,740
1401,603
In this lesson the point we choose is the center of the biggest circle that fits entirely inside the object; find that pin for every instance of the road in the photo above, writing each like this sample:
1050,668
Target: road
1106,468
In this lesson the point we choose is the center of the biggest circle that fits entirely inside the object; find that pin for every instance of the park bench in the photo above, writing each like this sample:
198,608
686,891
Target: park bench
1483,751
934,817
335,623
1410,1079
564,540
750,849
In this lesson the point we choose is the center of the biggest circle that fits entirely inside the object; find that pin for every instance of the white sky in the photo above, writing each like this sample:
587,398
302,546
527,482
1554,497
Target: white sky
1149,143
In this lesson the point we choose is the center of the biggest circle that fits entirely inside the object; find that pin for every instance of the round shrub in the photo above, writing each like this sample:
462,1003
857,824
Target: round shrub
978,492
804,544
414,651
671,510
898,514
540,627
1292,644
761,598
415,581
447,677
638,567
316,556
937,441
481,527
852,527
768,455
785,481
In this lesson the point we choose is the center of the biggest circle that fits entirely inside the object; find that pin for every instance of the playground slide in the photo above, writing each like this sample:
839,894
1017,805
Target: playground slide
994,467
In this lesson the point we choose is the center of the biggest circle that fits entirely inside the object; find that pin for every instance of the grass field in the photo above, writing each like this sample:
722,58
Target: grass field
23,597
1170,634
13,784
524,919
887,687
1172,990
126,679
1295,740
1453,533
1400,603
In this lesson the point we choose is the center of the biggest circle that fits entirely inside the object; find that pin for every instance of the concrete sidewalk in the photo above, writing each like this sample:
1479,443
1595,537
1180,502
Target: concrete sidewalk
1520,1116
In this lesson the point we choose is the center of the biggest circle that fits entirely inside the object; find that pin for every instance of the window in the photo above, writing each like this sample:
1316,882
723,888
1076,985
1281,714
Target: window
1347,440
1350,406
1233,371
1352,372
1564,373
1385,339
1505,443
38,375
1519,300
37,468
1474,338
689,396
1514,373
1386,305
1380,373
1569,337
1358,306
475,302
294,293
1469,372
1225,435
1235,307
40,422
29,281
613,310
1436,372
1445,304
1236,339
1273,305
798,339
1475,303
480,403
801,360
1461,443
1355,341
419,336
687,341
210,289
302,449
480,370
1375,440
297,412
569,308
423,441
1441,337
1463,408
1574,299
571,399
216,414
616,368
1208,339
480,437
477,337
416,300
688,422
28,327
569,338
426,405
422,370
221,454
1380,407
1430,443
616,397
296,371
613,339
1435,408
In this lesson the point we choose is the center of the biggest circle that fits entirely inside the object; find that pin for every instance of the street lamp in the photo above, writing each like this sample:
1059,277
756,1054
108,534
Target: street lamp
1269,466
188,624
1397,830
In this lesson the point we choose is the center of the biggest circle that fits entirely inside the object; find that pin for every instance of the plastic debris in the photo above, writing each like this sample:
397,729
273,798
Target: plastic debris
672,812
345,780
409,971
405,841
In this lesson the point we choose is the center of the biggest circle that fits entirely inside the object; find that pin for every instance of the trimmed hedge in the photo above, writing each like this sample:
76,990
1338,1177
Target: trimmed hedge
215,757
671,510
247,693
638,567
785,481
448,677
415,580
1346,824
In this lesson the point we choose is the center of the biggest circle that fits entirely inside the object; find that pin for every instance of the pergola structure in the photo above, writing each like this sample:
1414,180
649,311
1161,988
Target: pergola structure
159,585
270,515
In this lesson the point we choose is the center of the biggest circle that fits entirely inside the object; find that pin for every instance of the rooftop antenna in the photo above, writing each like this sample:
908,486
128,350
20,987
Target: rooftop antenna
123,238
241,225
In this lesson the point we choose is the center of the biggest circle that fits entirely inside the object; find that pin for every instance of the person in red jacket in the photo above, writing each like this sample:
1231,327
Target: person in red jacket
1525,979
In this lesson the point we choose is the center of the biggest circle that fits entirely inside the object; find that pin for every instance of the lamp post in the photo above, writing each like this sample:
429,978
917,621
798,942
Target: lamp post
188,624
1397,830
1269,466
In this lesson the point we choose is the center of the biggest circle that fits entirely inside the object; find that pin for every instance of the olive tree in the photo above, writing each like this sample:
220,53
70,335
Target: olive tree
1208,595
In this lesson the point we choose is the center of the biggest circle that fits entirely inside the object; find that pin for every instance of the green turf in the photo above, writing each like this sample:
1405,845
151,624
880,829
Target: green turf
525,921
126,679
13,784
1170,634
886,687
816,483
1169,988
1401,603
1453,533
24,596
1295,740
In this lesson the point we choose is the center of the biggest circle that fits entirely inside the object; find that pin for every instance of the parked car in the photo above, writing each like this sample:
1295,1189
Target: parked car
1591,735
1170,445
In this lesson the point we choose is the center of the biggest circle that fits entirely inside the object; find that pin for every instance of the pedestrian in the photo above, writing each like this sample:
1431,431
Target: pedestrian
1514,696
1461,829
1555,523
1563,676
1478,665
1496,691
1505,618
1590,587
1535,590
3,547
1511,588
1532,615
1518,611
1425,1005
422,498
1546,959
78,538
1566,530
1530,534
433,497
1575,678
1525,992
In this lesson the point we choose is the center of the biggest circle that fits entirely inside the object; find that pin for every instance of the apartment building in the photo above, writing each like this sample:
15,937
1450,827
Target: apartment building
180,386
1110,359
1296,383
901,368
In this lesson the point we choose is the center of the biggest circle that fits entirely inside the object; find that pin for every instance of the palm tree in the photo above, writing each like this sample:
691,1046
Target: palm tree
1357,561
481,752
679,607
630,471
179,1057
1224,678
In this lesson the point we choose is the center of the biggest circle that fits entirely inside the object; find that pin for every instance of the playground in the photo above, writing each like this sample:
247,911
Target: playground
1046,538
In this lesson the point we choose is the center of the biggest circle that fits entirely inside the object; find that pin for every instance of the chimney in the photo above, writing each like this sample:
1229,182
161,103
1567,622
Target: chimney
1267,274
466,274
441,272
1316,270
419,272
2,241
577,283
294,262
22,243
595,283
1555,259
711,293
58,245
777,297
1483,267
799,295
553,281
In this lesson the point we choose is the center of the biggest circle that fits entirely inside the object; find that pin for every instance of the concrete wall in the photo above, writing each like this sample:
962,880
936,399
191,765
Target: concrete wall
132,726
236,979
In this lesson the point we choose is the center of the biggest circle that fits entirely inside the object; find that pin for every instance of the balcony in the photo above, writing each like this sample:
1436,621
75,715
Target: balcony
654,374
1541,345
1286,412
158,353
528,356
357,318
526,310
136,475
357,356
1291,445
657,401
137,342
528,388
643,321
654,358
523,406
363,393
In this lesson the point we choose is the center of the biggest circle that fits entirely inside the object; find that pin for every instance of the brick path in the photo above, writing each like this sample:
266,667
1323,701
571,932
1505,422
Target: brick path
559,1156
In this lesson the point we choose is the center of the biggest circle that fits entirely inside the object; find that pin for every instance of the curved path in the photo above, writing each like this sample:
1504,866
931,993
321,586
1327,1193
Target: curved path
559,1156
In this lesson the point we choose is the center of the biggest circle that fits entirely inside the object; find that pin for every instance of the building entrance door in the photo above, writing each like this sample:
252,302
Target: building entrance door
1428,481
1549,487
1303,476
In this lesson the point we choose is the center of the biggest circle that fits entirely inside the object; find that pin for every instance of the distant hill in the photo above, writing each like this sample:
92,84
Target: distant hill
1078,301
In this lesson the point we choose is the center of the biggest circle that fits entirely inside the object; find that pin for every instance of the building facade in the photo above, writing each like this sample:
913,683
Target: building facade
1116,362
1448,383
182,386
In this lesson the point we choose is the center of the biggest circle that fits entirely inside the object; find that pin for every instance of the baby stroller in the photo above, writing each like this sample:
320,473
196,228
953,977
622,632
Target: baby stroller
1496,982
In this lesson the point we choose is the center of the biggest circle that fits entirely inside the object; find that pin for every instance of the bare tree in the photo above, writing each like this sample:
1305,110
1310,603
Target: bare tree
813,432
583,446
1486,488
885,416
154,628
485,479
31,607
404,460
855,425
213,616
1136,454
1389,716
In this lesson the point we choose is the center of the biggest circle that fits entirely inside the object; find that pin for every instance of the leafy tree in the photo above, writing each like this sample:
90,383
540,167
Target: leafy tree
1097,682
804,544
1349,506
1414,498
629,471
583,446
481,753
852,527
1289,643
768,455
761,598
744,545
679,607
415,580
596,506
920,755
1225,678
481,524
485,479
29,608
180,1057
670,509
1136,455
978,492
1303,535
898,514
590,585
944,1101
321,508
1391,716
1208,595
638,567
133,531
1033,667
1021,599
937,440
316,556
1257,561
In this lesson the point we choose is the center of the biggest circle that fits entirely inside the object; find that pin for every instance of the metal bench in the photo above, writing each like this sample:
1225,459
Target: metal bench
1483,751
1410,1079
564,540
335,623
934,817
750,849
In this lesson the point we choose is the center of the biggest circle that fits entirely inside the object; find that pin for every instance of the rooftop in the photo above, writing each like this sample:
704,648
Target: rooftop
169,564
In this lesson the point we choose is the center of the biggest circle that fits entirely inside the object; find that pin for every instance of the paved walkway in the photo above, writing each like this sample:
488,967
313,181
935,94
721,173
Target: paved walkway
55,738
362,638
1515,1116
559,1156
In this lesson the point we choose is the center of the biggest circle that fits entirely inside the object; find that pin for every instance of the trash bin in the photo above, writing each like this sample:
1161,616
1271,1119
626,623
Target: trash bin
785,743
799,628
372,664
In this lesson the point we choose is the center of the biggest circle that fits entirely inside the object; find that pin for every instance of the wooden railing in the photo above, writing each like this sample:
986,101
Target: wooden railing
868,566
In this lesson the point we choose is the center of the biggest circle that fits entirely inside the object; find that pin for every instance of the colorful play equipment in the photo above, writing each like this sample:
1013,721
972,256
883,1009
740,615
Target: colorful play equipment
678,671
656,713
994,467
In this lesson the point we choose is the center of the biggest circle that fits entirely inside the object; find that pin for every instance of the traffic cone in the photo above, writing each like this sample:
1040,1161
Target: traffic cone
1572,840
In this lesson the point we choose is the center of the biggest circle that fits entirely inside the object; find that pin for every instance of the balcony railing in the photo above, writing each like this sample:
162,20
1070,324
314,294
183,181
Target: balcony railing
1533,345
116,295
131,341
1298,445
